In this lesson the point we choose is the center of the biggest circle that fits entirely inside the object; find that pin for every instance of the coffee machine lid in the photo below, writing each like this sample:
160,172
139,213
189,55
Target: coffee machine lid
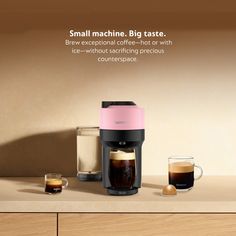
121,115
106,104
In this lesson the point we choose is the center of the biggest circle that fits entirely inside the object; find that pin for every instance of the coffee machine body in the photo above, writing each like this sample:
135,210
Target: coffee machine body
122,136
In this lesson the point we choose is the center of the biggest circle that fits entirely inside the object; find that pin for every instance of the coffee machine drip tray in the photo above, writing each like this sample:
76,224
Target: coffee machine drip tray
122,192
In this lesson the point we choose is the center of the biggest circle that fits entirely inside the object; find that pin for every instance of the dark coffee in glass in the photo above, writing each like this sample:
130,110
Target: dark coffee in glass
181,172
53,186
122,169
181,175
54,183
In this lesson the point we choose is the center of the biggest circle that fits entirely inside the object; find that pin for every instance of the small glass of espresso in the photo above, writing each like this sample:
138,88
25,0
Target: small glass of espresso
181,172
54,183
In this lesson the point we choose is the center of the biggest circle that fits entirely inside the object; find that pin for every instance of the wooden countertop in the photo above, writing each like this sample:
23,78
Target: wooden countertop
211,194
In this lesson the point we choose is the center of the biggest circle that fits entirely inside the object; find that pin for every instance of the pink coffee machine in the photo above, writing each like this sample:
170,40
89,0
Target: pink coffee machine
122,136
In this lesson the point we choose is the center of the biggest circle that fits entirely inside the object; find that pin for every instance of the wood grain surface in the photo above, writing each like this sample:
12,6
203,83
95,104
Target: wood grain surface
22,224
147,224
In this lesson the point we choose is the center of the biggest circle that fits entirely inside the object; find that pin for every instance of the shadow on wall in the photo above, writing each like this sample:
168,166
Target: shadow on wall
38,154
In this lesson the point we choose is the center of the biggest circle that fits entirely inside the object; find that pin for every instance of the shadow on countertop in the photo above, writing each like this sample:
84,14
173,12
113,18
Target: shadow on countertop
35,185
155,186
28,190
86,186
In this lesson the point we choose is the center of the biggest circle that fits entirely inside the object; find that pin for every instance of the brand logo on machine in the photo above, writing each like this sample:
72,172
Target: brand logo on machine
119,122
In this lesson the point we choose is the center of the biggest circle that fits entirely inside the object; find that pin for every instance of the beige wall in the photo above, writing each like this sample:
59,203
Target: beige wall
188,94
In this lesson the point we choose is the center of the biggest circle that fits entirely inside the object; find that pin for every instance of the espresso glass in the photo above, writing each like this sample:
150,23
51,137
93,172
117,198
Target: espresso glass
122,169
54,183
181,172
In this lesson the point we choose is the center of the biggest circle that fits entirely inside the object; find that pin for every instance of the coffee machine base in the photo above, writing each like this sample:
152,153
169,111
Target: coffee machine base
90,177
122,192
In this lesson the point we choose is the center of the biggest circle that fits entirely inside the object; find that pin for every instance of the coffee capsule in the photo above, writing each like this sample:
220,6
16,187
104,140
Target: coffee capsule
169,190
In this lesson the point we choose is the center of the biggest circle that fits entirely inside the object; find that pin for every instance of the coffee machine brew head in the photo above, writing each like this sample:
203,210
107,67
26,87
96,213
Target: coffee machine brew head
122,136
